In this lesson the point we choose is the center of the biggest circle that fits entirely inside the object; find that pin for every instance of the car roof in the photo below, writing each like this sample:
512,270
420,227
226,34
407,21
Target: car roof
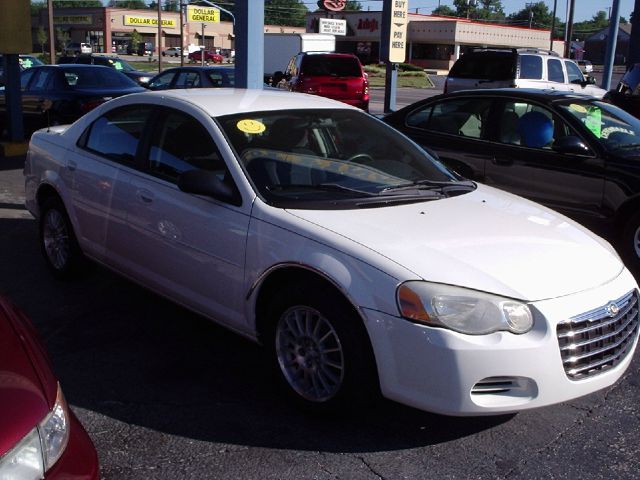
206,68
530,93
224,101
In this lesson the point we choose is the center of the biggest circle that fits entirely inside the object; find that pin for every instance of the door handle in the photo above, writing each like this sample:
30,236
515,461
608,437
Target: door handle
145,195
504,161
72,165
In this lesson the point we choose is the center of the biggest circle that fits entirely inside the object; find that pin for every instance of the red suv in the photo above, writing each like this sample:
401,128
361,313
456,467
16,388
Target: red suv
208,56
334,75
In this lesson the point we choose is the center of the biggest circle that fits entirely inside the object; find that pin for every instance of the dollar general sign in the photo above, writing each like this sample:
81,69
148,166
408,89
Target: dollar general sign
202,14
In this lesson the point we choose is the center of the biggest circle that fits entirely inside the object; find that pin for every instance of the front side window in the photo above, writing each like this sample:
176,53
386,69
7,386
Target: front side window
555,72
611,126
116,134
531,67
41,81
332,158
188,80
182,143
573,72
462,117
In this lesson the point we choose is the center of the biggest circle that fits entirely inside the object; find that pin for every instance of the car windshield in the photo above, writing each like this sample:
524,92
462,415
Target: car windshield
101,77
334,158
611,126
121,65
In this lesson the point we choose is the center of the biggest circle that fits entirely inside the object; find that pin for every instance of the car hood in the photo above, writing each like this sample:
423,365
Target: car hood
23,402
485,240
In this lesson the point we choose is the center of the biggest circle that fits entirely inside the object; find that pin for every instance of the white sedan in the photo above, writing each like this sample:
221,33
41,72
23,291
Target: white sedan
358,261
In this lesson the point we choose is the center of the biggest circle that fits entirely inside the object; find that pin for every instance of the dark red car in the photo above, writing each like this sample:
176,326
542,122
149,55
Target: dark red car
40,436
333,75
208,56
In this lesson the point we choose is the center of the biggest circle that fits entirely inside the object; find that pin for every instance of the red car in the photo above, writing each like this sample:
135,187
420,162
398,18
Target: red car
208,56
41,437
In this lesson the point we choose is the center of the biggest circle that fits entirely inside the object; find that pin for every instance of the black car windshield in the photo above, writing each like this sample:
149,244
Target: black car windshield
89,78
345,157
611,126
328,65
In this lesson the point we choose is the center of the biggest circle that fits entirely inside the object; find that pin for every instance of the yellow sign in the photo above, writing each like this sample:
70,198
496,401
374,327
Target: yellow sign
202,14
73,19
148,21
251,126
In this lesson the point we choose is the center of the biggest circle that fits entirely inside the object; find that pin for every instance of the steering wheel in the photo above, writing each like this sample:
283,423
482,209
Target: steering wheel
362,158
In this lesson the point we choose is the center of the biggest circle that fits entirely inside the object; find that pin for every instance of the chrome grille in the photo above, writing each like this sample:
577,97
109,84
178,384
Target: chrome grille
596,341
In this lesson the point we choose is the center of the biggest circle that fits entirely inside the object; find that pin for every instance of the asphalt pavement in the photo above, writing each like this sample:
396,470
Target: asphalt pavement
166,394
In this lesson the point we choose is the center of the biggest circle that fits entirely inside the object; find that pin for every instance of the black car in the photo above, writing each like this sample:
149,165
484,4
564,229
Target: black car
626,95
59,94
570,152
193,77
110,61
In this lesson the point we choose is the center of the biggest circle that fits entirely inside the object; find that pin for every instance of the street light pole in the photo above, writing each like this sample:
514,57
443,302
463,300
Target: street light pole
52,35
159,35
181,34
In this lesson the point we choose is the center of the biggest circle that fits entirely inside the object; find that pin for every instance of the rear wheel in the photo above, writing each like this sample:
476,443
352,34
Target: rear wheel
319,349
58,241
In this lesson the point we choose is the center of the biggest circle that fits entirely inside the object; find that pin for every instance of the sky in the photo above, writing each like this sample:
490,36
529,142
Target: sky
585,9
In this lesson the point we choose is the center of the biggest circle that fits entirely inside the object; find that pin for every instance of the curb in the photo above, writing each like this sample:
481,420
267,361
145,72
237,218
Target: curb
13,149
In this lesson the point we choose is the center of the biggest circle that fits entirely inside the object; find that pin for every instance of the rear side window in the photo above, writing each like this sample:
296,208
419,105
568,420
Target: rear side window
531,67
462,117
321,65
116,134
556,74
486,66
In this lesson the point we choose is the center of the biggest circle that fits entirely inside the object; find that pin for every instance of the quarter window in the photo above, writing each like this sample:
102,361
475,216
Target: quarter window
116,135
531,67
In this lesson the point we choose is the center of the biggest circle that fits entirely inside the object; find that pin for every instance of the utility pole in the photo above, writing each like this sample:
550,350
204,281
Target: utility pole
553,22
567,47
612,42
159,36
181,34
52,34
529,5
634,44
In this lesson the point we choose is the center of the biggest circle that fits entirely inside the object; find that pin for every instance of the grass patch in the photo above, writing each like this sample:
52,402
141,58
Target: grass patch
412,79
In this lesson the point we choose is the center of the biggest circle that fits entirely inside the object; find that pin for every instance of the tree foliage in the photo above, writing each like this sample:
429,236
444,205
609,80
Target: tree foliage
76,3
538,14
132,4
353,5
444,11
489,10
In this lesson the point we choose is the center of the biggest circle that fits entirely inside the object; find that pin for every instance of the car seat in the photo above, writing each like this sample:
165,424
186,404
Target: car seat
509,126
536,129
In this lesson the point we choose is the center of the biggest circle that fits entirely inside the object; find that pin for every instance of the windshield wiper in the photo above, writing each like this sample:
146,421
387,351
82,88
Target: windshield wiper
321,187
431,185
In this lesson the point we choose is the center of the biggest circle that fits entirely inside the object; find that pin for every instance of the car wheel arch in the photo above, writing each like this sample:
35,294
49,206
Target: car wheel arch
272,280
45,192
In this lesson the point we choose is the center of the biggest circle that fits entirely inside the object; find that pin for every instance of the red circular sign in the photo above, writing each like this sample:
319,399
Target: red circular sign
334,5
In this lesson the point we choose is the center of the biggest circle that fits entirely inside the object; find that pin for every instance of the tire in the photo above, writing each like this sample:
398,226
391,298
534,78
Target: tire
630,242
58,242
319,350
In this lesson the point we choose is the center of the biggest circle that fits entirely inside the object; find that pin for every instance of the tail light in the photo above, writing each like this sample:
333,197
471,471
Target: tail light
91,104
365,89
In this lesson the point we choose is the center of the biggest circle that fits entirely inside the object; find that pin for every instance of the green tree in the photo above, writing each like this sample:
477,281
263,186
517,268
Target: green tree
42,37
172,5
479,9
37,5
136,38
62,36
353,5
538,14
132,4
444,11
285,12
76,3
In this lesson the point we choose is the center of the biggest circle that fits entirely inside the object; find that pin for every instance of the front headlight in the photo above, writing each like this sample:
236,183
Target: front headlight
41,447
144,79
462,310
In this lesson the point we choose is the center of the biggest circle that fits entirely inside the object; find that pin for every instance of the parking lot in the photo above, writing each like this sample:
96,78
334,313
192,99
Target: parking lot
165,394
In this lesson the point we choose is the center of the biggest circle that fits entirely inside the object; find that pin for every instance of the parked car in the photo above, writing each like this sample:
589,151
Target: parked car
212,57
111,61
626,95
173,52
193,77
521,68
333,75
41,436
59,94
77,48
26,61
586,66
142,49
355,258
573,153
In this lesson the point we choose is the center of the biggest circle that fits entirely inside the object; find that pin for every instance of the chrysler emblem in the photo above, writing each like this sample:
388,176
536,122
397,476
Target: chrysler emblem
612,309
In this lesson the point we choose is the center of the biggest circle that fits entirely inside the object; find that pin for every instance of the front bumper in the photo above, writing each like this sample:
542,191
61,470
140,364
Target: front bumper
442,371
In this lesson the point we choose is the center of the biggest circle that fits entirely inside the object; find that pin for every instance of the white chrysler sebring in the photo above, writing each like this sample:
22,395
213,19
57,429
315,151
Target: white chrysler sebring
357,260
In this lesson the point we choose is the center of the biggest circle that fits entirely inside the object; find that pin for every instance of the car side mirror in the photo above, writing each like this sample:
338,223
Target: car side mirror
204,182
570,145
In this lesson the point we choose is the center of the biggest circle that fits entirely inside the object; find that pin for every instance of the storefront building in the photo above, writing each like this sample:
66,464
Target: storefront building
433,42
109,30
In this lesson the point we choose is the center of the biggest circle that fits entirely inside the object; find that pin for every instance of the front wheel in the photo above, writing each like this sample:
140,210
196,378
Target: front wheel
58,241
630,247
319,349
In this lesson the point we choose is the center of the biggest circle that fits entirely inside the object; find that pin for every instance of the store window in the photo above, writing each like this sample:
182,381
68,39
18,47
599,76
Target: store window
428,51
